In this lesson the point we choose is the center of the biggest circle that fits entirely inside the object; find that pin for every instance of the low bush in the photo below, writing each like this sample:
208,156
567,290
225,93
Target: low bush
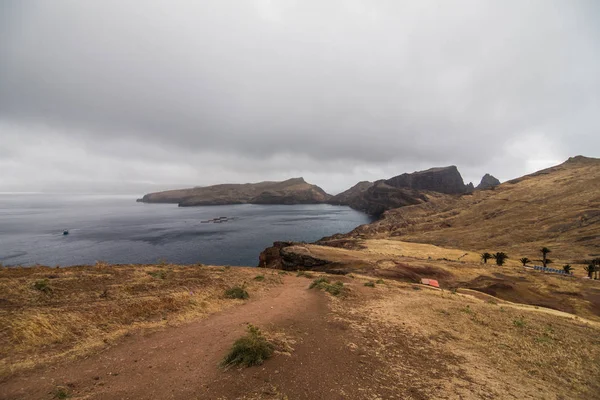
370,284
236,292
519,323
305,274
334,289
259,278
42,286
158,274
251,349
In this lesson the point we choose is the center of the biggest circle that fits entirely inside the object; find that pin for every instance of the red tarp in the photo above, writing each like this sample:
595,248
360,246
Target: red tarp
430,282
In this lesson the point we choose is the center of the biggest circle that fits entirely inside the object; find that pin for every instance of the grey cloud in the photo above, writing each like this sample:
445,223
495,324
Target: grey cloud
258,89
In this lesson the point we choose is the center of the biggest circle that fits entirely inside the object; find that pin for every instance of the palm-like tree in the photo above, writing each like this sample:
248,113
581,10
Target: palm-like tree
500,257
485,257
525,261
567,268
545,251
590,270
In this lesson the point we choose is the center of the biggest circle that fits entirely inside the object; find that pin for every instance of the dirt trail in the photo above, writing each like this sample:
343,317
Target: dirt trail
176,363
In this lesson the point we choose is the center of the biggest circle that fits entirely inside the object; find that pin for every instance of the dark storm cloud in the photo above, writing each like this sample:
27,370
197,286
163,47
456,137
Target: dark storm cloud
336,90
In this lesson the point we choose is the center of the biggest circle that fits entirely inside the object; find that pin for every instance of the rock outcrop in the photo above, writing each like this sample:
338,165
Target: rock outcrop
291,191
488,181
402,190
344,198
443,180
380,197
277,257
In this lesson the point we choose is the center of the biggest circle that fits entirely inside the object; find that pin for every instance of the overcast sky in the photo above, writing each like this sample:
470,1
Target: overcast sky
130,95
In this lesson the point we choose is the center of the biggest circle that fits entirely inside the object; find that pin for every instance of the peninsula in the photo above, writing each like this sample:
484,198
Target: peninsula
291,191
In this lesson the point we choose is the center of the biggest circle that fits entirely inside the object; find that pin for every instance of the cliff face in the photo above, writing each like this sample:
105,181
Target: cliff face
402,190
379,197
443,180
291,191
558,207
488,181
349,195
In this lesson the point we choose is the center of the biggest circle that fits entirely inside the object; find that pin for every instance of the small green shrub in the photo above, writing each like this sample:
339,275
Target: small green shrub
519,322
158,274
236,292
259,278
251,349
61,393
370,284
42,286
318,282
334,289
467,310
380,281
305,274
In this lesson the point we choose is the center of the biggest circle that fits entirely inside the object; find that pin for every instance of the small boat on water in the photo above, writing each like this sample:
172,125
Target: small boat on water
65,232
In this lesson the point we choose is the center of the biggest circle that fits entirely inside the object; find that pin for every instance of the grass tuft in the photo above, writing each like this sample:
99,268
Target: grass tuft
251,349
236,292
519,322
42,286
158,274
370,284
334,289
61,393
305,274
259,278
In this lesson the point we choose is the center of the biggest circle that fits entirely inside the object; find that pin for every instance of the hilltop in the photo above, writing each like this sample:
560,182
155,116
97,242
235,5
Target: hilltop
291,191
558,207
407,189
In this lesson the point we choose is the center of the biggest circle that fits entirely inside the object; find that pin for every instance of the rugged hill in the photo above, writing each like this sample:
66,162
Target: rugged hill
349,195
376,198
558,207
402,190
488,181
443,180
291,191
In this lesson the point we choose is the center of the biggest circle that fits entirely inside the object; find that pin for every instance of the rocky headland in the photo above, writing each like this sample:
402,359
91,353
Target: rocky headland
291,191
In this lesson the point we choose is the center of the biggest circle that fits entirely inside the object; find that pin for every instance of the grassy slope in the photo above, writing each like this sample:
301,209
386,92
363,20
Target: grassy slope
558,208
85,308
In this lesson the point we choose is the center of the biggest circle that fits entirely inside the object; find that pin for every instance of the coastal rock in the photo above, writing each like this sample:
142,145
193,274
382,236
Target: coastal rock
291,191
443,180
277,257
488,181
375,198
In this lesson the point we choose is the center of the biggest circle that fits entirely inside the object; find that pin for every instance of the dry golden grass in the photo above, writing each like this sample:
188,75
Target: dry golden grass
77,310
454,268
557,208
437,344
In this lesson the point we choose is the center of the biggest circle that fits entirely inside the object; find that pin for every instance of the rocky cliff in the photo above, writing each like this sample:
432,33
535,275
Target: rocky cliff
291,191
402,190
487,182
443,180
378,197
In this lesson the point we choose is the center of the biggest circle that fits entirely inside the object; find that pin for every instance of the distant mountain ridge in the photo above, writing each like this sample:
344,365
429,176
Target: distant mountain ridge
291,191
406,189
557,207
373,198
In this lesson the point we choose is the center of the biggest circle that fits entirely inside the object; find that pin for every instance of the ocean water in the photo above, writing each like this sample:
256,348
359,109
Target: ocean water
116,229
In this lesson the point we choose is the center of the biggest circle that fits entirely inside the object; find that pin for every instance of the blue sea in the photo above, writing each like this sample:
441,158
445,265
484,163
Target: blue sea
116,229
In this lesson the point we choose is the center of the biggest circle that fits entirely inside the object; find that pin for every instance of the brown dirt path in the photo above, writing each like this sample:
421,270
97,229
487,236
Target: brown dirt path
176,363
181,362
